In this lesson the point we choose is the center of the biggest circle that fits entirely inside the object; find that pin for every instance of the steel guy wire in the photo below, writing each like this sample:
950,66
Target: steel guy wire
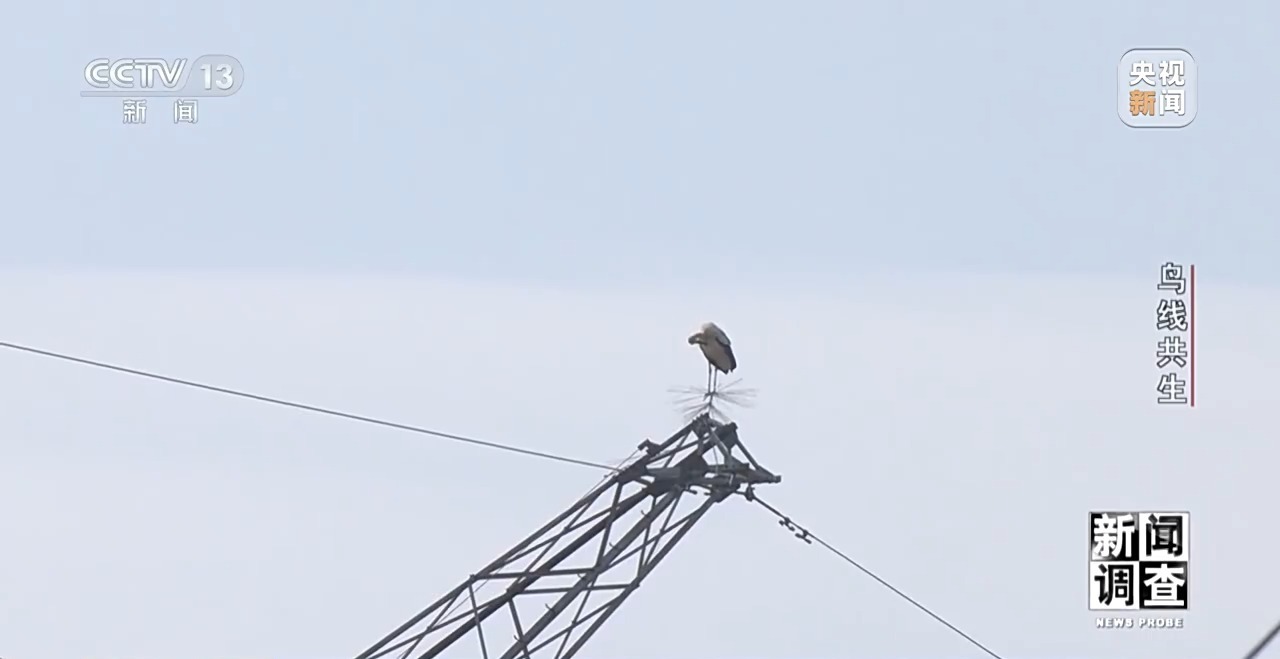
786,522
1256,651
809,538
301,406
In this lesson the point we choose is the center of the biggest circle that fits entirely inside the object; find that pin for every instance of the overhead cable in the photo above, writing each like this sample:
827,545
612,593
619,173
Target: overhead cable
1256,651
301,406
809,538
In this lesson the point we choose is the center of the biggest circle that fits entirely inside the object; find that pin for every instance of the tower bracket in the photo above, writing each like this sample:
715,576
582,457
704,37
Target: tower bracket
582,565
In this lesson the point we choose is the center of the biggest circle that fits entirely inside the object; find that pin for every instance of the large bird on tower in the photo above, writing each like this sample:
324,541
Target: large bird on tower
718,350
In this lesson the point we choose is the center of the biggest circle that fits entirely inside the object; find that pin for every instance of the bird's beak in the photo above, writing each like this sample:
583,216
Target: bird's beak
693,339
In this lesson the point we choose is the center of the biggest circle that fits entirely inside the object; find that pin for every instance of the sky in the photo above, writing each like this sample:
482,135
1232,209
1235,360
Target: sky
932,239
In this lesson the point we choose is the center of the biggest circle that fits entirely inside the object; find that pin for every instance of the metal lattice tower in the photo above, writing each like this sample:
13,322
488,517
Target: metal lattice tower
604,546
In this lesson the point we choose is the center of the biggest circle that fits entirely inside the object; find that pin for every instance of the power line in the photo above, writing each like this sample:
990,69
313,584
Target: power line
809,538
785,521
1262,645
302,406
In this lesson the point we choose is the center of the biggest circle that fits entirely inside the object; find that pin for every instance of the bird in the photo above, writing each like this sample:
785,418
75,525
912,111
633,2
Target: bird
718,350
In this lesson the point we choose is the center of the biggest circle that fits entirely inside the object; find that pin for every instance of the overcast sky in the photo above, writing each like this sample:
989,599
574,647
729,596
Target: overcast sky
950,434
932,240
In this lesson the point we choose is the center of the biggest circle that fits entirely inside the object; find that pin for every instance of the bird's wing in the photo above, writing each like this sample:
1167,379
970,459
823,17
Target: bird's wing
718,334
728,352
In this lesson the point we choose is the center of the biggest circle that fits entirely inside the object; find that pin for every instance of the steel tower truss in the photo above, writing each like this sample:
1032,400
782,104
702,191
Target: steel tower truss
584,563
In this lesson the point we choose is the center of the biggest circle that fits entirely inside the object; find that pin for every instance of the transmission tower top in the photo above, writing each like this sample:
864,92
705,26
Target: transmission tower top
547,595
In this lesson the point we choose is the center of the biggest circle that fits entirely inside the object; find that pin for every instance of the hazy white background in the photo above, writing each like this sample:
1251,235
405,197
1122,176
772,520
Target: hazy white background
927,231
950,434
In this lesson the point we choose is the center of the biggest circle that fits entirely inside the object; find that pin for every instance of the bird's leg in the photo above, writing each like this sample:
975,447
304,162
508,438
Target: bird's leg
710,371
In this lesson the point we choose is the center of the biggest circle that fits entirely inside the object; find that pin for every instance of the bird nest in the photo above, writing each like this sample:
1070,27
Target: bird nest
693,402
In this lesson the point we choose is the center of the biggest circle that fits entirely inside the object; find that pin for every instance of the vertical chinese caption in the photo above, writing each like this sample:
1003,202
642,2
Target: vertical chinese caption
1176,335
